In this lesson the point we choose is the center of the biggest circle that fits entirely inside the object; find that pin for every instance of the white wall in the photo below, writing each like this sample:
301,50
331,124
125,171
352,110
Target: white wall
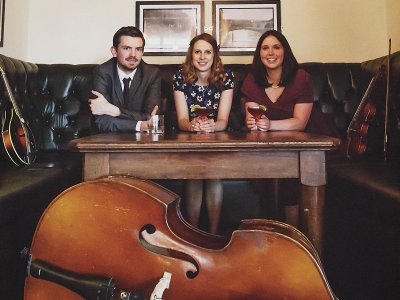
335,31
393,24
16,29
76,31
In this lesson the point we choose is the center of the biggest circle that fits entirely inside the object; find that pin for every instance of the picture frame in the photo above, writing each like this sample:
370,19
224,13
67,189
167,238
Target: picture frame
2,14
239,24
169,26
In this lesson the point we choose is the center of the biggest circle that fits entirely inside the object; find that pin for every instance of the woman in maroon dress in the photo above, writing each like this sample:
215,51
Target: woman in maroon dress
277,83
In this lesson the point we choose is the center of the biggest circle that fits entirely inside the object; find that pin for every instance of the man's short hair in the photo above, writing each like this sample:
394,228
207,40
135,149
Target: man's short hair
129,31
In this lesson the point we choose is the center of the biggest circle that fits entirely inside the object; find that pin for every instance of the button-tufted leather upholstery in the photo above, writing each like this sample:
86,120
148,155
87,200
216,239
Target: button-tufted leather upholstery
60,111
54,99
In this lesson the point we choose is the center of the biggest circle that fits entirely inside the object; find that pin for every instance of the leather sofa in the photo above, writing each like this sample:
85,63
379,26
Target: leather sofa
363,196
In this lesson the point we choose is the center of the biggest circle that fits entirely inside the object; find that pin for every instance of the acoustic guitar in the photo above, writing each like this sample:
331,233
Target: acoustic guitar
120,237
18,142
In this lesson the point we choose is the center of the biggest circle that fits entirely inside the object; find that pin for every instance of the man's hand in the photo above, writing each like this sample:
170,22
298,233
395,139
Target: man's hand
144,126
100,106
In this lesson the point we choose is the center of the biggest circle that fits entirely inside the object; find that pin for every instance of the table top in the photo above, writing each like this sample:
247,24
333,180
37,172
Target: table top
190,141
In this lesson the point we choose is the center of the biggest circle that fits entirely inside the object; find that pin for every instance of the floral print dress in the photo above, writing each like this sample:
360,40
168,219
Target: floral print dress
202,95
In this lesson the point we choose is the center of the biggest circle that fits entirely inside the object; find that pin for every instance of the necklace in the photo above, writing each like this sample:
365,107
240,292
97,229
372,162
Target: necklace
204,90
273,85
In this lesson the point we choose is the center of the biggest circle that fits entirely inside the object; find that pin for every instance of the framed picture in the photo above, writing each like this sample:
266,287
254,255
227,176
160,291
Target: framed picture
168,26
2,4
239,24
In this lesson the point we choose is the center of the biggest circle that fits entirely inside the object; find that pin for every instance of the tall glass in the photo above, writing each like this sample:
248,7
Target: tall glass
156,124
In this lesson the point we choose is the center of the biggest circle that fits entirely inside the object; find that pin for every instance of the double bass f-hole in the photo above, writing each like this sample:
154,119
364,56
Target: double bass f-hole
155,241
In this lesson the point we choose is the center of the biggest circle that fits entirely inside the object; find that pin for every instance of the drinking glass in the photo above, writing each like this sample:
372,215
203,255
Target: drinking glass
156,124
202,112
257,111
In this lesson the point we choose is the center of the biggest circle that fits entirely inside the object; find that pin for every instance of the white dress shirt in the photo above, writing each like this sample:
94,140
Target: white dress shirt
122,75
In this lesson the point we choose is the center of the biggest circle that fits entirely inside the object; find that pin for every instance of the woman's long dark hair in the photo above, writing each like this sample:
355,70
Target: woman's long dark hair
289,66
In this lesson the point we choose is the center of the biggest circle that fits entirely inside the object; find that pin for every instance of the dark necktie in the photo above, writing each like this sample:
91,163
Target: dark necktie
126,89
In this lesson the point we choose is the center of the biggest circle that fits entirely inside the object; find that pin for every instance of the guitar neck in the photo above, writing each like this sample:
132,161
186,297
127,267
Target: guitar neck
10,94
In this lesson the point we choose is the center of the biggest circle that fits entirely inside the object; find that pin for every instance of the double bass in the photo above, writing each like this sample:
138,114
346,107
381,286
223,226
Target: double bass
115,237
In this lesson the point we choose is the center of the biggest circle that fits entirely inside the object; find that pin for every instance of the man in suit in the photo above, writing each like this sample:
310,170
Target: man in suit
121,106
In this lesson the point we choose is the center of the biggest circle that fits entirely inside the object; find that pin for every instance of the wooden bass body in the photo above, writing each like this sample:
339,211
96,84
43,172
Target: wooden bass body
131,230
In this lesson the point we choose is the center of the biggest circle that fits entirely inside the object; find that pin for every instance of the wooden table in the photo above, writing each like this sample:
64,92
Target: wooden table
222,155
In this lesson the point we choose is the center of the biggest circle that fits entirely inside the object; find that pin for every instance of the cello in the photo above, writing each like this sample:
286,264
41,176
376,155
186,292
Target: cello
115,237
357,131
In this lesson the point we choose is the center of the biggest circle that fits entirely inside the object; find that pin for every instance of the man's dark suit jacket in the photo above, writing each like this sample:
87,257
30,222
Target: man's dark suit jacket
144,94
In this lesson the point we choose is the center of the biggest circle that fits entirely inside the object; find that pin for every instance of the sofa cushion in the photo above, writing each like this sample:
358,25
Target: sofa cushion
371,186
32,187
362,229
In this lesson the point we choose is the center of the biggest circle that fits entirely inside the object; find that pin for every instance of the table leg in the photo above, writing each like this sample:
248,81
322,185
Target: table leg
313,179
312,214
95,165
